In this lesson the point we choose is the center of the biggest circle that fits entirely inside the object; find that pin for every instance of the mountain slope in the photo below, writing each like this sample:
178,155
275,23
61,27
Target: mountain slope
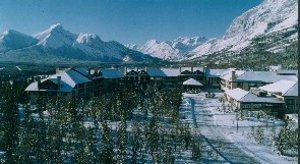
11,40
270,18
271,28
56,37
175,50
56,44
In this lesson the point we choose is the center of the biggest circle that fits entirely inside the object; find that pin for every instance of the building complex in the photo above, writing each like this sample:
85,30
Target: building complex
244,89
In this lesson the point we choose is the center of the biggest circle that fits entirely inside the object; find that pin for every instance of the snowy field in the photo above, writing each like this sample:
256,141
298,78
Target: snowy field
252,137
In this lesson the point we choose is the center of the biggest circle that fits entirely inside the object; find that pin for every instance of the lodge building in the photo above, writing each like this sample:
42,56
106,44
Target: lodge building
87,82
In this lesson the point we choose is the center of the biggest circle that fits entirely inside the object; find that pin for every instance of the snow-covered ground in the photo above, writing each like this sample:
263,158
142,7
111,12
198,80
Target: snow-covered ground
250,140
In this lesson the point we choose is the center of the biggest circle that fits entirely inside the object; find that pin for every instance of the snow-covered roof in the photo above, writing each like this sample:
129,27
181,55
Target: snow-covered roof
163,72
69,79
264,76
82,70
111,73
192,82
64,87
245,96
285,87
237,93
287,72
293,91
214,72
190,68
108,73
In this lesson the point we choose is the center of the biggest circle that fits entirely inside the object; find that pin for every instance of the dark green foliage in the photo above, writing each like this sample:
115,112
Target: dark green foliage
60,130
287,142
9,124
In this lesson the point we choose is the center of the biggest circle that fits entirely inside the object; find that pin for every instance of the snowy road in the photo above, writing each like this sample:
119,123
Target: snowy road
222,138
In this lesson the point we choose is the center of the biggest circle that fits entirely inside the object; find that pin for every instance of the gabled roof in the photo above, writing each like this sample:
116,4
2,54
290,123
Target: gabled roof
285,87
293,91
245,96
186,72
69,79
192,82
190,69
63,88
237,93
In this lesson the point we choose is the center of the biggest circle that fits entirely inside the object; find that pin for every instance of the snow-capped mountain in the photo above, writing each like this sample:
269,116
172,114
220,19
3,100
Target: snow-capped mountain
11,39
56,37
272,26
175,50
57,44
270,18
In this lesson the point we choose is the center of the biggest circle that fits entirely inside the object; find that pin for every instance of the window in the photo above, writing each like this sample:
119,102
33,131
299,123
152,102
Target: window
239,84
290,102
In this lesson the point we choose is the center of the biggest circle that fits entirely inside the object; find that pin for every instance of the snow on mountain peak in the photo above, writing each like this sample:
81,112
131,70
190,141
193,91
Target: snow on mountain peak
174,50
271,16
55,37
11,32
87,37
56,43
12,40
56,26
152,42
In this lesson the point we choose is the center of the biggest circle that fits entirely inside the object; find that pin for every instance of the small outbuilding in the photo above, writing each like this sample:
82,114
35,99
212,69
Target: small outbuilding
242,99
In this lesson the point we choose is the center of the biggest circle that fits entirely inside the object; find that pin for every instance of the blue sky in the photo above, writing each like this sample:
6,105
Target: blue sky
126,21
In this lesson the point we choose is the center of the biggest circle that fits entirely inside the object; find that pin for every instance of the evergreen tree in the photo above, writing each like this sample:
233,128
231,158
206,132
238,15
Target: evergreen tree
9,123
107,147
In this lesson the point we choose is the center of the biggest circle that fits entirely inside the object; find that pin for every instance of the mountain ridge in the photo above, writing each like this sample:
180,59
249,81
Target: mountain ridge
175,50
56,44
262,23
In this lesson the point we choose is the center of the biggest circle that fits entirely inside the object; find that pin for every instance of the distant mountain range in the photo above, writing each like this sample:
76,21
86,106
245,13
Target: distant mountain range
265,34
271,27
175,50
56,44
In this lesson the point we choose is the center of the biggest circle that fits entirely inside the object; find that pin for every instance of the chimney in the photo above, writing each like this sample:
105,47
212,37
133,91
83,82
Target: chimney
180,69
192,69
90,71
39,82
59,82
205,70
233,75
136,69
97,71
125,70
146,69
